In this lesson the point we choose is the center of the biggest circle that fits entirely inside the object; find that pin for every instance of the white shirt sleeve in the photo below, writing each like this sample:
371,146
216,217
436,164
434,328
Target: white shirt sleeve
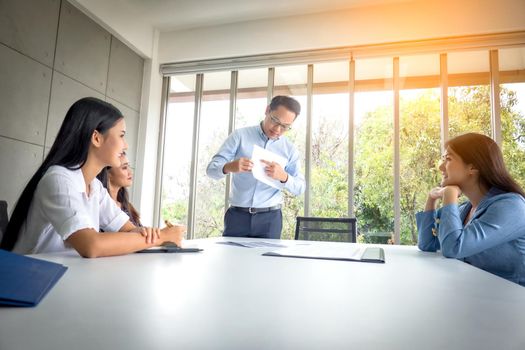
112,218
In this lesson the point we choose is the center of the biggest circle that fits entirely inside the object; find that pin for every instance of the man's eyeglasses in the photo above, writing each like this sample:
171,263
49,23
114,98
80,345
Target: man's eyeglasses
276,122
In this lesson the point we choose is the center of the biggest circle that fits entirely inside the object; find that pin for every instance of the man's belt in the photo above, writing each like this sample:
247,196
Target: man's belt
257,210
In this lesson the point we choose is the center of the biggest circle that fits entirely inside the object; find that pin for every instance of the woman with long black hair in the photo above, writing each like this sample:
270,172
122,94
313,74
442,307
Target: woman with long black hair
487,231
64,206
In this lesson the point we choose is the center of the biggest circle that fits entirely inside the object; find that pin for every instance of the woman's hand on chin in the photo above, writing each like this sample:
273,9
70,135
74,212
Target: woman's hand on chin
451,194
448,194
436,193
434,196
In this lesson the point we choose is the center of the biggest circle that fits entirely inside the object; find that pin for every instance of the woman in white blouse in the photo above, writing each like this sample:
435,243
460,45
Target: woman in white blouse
64,206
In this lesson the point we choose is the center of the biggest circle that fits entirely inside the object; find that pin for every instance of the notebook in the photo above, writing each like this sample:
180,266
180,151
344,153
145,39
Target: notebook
332,252
24,281
170,248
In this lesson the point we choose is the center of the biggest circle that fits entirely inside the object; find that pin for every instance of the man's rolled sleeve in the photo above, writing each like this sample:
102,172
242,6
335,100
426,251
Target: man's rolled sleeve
295,183
215,167
226,154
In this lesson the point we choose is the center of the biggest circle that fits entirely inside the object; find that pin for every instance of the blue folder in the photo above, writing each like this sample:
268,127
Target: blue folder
24,281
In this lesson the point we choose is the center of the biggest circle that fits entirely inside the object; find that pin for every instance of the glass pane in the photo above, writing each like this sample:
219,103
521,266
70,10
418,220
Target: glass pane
468,62
252,97
291,81
177,150
512,97
420,136
374,68
419,72
374,179
215,111
469,93
419,154
329,183
419,66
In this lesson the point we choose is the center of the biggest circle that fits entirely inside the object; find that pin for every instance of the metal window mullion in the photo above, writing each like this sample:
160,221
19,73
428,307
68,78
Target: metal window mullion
195,155
443,84
271,84
308,141
160,152
495,114
351,137
397,193
231,126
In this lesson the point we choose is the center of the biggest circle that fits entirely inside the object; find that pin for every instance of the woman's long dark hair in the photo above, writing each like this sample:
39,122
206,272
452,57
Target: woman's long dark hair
69,150
122,197
484,154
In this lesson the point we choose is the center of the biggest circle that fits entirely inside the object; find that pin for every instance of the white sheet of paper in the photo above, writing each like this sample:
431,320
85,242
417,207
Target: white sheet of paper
259,154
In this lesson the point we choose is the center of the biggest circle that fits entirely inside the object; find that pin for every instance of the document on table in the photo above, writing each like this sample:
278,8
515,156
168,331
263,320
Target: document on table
253,244
332,252
259,154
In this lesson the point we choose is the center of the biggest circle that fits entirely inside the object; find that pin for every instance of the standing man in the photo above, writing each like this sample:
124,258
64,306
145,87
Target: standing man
255,207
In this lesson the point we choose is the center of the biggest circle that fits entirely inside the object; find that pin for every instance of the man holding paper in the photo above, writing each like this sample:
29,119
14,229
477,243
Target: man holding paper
263,163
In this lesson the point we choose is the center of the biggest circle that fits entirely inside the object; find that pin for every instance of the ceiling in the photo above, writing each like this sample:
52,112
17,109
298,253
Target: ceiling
170,15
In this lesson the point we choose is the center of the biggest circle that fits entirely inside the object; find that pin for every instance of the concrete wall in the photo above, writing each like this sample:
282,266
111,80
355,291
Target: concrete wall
123,22
51,54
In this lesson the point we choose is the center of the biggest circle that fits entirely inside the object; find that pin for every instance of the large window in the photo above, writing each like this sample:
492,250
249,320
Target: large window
391,154
251,97
469,92
374,150
329,157
512,100
291,81
419,137
176,162
215,111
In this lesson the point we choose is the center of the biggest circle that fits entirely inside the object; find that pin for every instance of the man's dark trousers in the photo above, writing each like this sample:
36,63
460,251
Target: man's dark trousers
239,222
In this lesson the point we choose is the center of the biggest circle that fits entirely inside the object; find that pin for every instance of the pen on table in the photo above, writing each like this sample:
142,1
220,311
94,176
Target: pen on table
169,224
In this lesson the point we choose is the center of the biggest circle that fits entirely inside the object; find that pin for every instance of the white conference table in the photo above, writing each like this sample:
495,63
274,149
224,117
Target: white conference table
229,297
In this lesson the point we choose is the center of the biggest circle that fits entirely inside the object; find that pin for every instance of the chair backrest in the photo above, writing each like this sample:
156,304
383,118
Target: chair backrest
326,229
3,218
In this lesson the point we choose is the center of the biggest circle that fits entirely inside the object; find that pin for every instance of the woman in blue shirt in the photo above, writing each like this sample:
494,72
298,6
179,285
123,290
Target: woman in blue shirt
487,231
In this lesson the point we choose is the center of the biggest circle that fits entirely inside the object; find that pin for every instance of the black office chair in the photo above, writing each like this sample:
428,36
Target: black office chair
326,229
3,218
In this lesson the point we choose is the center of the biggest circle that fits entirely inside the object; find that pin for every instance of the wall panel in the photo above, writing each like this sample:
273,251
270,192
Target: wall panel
24,96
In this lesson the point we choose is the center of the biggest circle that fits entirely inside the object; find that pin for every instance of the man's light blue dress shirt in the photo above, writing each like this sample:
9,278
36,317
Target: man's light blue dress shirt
246,190
493,239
